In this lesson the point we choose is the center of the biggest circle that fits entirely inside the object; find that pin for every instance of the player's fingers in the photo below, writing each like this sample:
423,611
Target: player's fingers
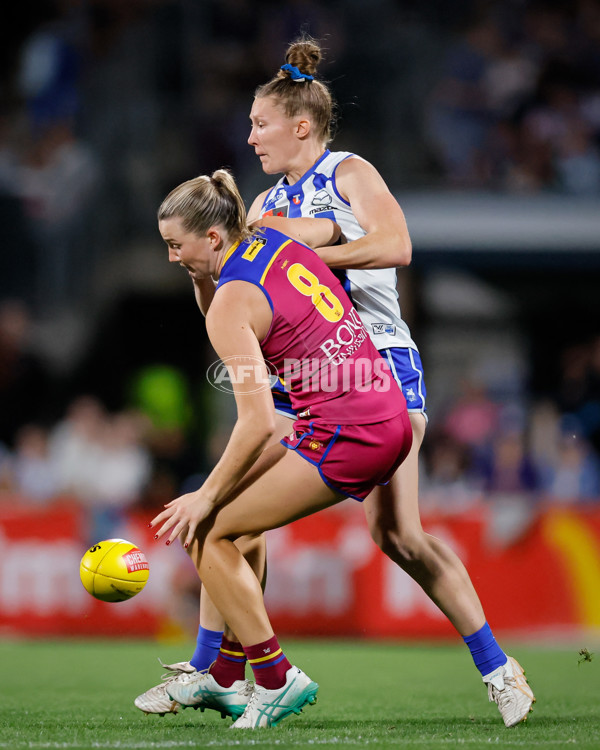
168,513
163,530
190,535
166,526
177,530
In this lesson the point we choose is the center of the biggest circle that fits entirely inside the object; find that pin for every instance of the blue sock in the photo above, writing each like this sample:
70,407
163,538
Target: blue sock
486,653
208,644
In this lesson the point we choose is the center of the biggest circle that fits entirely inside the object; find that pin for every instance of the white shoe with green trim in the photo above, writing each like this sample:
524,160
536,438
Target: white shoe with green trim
266,708
201,690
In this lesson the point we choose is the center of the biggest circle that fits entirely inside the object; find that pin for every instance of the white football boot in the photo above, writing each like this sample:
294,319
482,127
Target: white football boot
508,688
266,708
157,700
201,690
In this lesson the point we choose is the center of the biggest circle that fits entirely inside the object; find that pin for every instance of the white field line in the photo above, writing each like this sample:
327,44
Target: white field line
525,742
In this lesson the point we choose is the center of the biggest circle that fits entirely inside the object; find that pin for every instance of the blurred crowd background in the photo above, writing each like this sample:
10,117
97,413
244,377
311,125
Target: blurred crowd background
106,105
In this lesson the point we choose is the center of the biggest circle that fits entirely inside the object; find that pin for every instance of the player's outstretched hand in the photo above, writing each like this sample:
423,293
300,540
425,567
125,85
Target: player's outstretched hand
182,516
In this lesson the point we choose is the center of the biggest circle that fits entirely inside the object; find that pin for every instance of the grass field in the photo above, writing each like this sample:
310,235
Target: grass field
79,695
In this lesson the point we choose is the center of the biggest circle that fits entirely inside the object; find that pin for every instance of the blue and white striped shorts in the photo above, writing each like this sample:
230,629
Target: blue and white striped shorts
407,368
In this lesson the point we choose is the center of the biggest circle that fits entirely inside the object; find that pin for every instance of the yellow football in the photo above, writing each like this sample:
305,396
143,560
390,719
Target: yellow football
114,570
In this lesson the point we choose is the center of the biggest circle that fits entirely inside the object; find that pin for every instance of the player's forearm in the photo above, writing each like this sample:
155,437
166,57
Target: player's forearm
246,443
374,250
310,231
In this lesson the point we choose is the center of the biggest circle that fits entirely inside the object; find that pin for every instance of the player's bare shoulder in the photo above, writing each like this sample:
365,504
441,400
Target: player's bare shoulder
254,212
356,173
239,303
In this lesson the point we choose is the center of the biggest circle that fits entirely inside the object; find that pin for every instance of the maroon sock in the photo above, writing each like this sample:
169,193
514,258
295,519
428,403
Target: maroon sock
230,664
268,663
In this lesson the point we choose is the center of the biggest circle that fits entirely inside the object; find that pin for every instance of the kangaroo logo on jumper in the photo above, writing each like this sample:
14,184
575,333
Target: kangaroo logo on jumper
321,198
410,395
271,209
279,195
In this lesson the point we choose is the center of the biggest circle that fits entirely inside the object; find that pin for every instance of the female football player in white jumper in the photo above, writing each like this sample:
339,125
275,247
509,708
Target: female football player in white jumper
291,125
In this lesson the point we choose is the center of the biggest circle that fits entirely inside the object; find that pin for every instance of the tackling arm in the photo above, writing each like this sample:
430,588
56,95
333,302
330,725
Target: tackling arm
386,243
308,231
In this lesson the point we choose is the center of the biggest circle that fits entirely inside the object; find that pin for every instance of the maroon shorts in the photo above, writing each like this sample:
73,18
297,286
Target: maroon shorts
353,459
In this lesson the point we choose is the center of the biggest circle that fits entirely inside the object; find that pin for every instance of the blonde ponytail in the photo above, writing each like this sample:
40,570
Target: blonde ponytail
207,201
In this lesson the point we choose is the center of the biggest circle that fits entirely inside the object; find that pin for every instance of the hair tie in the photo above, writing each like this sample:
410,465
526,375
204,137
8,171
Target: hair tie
295,74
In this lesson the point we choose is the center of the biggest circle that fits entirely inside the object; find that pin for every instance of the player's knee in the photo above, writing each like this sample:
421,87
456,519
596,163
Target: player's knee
403,547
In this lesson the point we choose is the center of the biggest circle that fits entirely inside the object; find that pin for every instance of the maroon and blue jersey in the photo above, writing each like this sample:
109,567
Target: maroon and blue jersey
317,341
